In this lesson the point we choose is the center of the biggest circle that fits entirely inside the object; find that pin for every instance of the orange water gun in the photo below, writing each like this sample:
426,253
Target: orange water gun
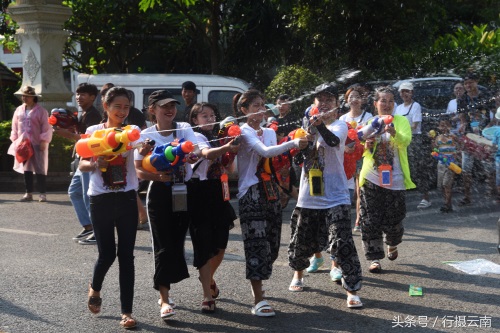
229,129
107,142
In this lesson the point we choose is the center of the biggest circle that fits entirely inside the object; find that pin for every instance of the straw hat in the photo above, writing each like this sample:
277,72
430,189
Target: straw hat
28,91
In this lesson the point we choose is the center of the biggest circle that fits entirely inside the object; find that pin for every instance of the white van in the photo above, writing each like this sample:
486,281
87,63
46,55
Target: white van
215,89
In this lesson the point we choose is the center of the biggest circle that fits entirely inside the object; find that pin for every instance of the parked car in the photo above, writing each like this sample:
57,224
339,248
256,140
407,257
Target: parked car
432,93
215,89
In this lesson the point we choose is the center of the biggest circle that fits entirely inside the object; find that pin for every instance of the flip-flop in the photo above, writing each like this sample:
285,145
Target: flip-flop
392,253
94,302
166,311
215,291
354,299
208,306
170,302
259,308
296,285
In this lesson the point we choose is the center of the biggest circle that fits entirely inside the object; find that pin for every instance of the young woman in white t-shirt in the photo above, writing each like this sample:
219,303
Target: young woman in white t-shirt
322,219
212,216
113,204
168,225
354,98
259,205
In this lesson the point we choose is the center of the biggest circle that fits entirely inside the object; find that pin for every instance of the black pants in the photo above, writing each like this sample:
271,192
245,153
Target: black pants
168,231
41,181
107,211
382,211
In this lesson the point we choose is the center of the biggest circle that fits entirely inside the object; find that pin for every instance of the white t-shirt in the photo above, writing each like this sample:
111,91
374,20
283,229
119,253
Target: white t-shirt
398,182
183,131
360,120
97,185
331,161
252,149
414,115
201,170
452,106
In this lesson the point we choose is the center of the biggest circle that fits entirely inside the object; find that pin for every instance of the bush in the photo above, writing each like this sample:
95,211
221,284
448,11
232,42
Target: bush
60,154
5,128
297,82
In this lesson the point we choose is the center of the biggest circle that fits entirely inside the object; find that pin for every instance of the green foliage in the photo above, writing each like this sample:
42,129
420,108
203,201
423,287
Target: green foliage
252,39
476,47
7,27
329,35
5,129
60,154
8,101
64,145
230,37
295,81
114,35
146,4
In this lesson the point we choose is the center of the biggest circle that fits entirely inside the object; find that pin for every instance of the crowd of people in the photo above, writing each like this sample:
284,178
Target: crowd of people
191,182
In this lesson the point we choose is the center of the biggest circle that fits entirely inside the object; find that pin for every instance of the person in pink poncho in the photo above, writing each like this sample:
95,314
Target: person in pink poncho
30,121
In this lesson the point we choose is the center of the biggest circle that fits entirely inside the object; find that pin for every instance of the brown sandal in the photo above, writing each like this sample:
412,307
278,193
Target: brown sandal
208,306
94,303
128,322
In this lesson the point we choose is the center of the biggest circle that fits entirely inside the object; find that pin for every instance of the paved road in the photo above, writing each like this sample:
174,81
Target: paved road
44,278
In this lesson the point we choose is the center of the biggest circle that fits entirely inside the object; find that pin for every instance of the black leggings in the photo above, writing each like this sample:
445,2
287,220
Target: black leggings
41,181
107,211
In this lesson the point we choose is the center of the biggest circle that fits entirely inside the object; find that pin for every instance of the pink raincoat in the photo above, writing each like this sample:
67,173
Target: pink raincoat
36,127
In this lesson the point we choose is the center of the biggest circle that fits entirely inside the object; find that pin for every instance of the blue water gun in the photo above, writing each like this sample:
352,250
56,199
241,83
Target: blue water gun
169,156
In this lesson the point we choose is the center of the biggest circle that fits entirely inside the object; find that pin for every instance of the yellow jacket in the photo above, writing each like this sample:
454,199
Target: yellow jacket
401,140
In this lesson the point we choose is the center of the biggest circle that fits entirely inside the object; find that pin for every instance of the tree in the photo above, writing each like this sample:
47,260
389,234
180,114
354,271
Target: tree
241,38
114,35
296,82
469,46
383,39
7,26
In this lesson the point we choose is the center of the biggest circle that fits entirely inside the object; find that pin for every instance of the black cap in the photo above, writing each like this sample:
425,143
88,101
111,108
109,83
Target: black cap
471,76
189,85
325,88
161,97
283,97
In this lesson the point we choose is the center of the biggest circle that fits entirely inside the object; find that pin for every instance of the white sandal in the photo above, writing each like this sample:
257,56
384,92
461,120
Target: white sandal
297,285
170,302
259,308
354,299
